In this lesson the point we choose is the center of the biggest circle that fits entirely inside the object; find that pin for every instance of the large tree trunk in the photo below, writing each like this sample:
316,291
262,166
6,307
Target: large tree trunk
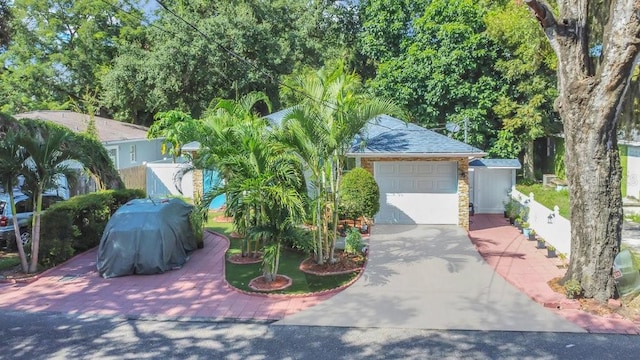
589,104
593,173
528,163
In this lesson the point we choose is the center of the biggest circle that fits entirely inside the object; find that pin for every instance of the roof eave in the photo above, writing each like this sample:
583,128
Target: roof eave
413,155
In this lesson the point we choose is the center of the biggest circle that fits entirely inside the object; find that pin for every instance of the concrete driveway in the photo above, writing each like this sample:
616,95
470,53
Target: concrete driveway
430,277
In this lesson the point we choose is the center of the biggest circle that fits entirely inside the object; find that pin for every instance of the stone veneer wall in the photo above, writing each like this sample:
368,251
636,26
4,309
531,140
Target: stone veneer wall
463,180
198,185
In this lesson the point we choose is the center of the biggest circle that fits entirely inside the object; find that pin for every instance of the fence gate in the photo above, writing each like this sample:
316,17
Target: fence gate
134,177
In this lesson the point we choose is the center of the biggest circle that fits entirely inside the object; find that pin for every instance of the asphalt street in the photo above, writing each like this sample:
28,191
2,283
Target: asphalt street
56,336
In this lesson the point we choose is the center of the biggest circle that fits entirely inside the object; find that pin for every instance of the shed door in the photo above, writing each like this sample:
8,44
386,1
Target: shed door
490,189
417,192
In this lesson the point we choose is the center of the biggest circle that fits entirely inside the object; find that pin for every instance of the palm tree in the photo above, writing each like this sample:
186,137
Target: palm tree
264,180
12,157
268,183
321,129
49,152
227,125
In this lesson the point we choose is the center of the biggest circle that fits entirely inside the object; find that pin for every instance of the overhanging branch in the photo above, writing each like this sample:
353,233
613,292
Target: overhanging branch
542,12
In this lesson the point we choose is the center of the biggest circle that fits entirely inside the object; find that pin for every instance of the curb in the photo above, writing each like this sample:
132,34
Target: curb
284,296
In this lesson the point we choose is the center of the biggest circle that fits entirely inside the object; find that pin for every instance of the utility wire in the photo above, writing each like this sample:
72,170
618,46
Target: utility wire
246,61
146,22
230,52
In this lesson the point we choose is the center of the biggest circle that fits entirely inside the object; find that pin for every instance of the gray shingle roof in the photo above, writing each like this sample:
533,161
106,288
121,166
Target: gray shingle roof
496,163
388,135
108,129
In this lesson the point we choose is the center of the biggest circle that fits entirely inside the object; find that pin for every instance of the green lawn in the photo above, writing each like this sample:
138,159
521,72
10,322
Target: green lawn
240,275
549,197
8,260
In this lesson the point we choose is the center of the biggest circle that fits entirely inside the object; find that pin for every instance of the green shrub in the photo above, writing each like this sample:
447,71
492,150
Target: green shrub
55,251
359,194
301,240
78,223
572,288
353,242
559,165
198,217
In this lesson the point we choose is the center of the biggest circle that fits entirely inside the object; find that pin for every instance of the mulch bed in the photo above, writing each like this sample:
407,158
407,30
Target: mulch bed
239,259
223,219
346,263
280,283
15,274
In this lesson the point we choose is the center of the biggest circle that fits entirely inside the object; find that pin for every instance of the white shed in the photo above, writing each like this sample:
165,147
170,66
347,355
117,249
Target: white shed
490,181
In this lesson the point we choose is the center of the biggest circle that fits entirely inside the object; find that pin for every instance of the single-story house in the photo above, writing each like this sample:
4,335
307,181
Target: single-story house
127,144
424,177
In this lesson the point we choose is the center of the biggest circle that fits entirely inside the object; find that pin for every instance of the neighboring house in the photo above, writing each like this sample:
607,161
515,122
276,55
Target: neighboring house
630,162
127,144
629,150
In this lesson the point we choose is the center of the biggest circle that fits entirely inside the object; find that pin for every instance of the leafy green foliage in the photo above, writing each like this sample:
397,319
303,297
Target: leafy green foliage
63,49
8,259
353,241
526,109
182,69
300,239
624,165
445,70
559,164
359,194
176,127
320,130
5,30
572,289
76,225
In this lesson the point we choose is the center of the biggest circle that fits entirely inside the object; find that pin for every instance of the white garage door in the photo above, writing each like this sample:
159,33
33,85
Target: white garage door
417,192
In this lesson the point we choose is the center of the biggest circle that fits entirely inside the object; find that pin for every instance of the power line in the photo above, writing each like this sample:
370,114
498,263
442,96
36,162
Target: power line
146,22
246,61
230,52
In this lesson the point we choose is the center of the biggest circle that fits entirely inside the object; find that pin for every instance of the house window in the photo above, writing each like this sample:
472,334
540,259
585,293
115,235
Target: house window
132,153
349,164
113,155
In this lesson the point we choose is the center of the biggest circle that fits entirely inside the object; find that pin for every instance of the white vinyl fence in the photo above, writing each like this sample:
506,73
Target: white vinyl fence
547,223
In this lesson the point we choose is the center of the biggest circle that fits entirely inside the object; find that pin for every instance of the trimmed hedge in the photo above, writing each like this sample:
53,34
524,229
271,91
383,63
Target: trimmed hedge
76,225
359,194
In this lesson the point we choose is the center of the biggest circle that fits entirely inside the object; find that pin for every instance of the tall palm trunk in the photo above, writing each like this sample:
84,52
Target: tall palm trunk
335,187
16,227
35,237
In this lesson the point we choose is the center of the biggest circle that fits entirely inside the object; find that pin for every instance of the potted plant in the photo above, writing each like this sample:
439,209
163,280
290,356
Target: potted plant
551,251
541,243
525,229
532,235
511,210
518,223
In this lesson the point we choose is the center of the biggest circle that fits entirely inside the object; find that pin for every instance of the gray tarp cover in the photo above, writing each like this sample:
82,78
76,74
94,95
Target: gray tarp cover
146,237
